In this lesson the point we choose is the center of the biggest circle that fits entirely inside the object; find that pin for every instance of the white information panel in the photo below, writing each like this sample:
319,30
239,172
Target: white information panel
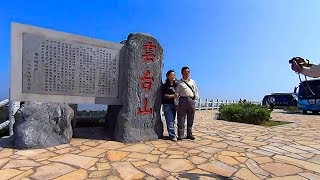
52,66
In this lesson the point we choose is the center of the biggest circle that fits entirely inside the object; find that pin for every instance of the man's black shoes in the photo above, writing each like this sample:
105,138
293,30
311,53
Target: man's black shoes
188,137
191,137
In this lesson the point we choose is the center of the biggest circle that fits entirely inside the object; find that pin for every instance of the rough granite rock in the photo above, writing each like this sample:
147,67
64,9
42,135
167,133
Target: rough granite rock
111,118
132,126
41,125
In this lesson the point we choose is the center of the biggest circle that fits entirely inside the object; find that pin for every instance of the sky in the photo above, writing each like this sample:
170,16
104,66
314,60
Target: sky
235,49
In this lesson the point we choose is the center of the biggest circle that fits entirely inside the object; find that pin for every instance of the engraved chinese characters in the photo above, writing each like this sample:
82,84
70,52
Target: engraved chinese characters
61,67
147,80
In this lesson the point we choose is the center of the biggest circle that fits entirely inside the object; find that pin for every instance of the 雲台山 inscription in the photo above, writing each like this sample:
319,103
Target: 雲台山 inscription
62,67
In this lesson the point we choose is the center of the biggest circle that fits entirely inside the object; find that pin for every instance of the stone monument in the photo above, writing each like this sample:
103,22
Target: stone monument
59,67
139,118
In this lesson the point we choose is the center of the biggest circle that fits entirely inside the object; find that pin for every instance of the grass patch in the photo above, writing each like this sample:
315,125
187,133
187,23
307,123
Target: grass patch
271,123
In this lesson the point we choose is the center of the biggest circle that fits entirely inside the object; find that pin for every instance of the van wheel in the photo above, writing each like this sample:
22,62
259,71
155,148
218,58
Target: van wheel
304,112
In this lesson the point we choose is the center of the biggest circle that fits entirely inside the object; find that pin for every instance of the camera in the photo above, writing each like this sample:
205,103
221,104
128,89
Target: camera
300,61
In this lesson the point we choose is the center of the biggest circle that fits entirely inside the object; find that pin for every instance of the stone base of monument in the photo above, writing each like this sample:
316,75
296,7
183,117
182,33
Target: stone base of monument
42,125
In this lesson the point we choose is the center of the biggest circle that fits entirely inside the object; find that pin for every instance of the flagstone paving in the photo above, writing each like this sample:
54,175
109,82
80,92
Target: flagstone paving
222,150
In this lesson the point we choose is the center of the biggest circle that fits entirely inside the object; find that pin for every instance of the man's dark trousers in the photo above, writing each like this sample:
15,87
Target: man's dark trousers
186,108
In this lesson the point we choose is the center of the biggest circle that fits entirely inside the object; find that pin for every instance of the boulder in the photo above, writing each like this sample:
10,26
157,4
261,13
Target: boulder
41,125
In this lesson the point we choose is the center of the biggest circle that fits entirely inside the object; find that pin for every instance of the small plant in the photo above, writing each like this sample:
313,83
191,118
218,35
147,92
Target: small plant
245,113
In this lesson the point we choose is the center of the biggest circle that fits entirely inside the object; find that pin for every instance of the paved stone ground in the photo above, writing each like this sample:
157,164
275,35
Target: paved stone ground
222,150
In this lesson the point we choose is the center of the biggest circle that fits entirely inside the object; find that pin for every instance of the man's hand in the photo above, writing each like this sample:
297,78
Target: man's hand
177,107
296,67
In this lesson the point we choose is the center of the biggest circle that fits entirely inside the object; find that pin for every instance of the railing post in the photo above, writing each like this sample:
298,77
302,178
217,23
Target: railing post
13,108
211,104
221,103
4,102
199,104
218,104
206,104
6,123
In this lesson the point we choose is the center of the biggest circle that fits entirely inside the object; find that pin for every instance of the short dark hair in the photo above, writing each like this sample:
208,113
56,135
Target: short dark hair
184,68
168,73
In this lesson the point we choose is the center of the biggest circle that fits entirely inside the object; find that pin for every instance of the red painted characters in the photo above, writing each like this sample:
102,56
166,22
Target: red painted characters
147,80
145,110
148,52
148,55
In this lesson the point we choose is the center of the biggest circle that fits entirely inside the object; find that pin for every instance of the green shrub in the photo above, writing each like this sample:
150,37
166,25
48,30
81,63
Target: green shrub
245,113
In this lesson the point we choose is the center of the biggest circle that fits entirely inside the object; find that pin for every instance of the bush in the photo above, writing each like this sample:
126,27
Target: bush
245,113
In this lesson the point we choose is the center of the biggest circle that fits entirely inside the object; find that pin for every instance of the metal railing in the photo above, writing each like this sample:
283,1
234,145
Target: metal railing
13,108
212,104
6,123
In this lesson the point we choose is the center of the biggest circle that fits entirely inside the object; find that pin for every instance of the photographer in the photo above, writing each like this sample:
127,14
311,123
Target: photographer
312,71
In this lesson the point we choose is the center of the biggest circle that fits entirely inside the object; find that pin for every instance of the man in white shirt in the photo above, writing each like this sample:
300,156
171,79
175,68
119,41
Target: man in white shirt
185,103
313,71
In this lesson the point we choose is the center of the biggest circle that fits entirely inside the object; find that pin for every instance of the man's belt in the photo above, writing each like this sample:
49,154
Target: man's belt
187,97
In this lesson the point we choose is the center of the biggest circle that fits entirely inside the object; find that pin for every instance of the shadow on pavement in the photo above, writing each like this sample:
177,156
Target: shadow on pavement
196,176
